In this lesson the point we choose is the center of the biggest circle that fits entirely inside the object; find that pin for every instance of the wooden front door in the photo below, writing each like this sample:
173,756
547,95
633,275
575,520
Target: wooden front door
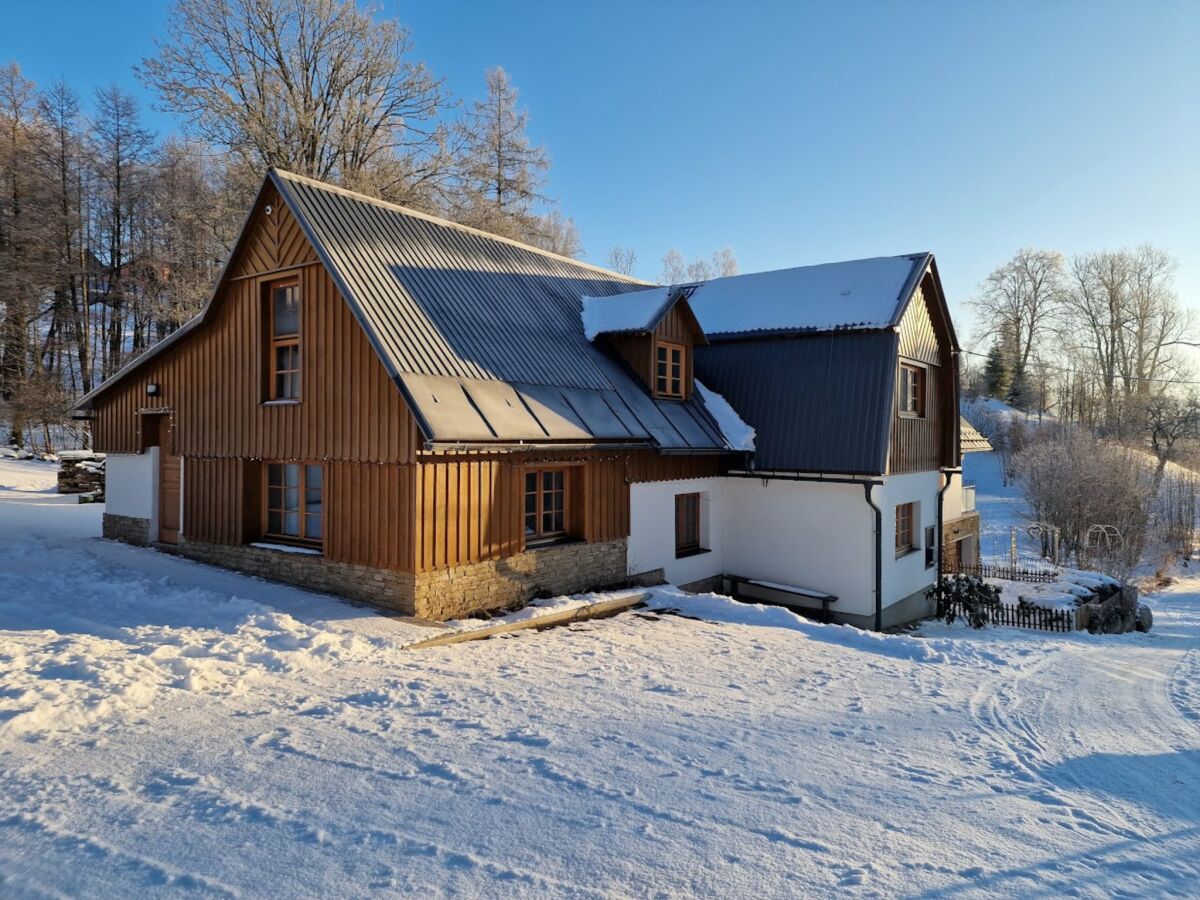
168,487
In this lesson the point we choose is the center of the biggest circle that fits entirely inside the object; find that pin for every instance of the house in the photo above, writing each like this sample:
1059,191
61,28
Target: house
960,529
416,414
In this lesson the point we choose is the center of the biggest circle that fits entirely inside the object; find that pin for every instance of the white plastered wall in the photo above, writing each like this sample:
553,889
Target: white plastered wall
803,533
652,529
952,503
906,575
131,486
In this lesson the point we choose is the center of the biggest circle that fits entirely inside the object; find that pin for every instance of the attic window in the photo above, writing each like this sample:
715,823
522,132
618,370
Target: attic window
669,367
283,299
912,391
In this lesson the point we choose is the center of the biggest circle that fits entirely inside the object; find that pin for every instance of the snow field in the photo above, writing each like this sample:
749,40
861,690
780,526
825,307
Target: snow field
169,729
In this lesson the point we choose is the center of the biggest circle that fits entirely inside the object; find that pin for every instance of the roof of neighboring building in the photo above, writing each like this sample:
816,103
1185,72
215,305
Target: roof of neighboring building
969,438
857,295
831,413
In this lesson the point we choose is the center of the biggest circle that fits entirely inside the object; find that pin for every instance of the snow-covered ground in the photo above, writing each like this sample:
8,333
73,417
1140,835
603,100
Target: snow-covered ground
171,729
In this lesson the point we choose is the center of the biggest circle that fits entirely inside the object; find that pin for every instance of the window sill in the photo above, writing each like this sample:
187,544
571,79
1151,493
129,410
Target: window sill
911,415
280,403
908,551
695,551
287,548
543,543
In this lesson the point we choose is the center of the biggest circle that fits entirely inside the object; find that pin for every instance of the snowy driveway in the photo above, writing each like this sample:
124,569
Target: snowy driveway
169,729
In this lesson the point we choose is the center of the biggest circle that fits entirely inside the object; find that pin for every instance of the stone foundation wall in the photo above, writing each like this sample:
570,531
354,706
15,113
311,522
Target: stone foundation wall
379,587
952,532
510,582
126,528
443,594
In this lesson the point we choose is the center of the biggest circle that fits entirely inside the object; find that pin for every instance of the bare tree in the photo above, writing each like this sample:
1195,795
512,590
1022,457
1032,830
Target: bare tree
622,259
1019,301
120,148
674,268
720,264
320,87
1169,420
1123,319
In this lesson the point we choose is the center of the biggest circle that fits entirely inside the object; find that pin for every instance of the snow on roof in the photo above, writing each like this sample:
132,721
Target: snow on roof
739,435
856,295
859,294
634,311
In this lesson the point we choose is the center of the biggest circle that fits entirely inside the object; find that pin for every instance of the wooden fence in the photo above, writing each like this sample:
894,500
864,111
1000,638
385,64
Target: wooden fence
1029,573
1024,615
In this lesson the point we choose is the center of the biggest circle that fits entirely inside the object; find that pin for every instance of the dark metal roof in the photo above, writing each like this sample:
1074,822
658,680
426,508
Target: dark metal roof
818,403
483,334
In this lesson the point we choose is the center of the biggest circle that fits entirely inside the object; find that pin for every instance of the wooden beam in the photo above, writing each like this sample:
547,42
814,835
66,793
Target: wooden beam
576,614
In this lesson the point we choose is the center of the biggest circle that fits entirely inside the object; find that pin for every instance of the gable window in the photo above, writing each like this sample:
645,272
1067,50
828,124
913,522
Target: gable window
905,515
687,524
295,503
284,359
669,363
545,504
912,391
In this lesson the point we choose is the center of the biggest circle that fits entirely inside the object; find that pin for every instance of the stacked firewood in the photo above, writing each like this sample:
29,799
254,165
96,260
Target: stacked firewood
82,472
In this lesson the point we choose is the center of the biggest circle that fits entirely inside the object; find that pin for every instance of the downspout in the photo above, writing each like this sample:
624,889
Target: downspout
878,556
948,474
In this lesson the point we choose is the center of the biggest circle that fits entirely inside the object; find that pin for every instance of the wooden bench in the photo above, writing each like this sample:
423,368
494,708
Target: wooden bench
792,590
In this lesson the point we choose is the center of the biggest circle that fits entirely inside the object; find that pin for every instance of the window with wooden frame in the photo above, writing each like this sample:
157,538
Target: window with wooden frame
687,524
295,503
912,391
546,504
905,513
283,354
670,369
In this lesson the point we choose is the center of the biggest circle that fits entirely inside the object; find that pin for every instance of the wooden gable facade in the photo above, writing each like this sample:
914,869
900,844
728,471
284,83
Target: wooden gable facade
928,440
387,501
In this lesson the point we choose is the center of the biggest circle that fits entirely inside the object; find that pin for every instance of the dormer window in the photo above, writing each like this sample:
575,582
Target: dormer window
670,368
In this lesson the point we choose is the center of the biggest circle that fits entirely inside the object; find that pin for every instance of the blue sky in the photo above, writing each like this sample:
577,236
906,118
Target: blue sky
800,133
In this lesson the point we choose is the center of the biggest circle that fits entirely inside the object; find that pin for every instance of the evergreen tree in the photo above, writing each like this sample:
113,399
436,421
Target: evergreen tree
997,375
1019,389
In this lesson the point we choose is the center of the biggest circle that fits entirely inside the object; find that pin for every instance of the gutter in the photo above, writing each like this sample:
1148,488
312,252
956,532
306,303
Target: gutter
878,553
766,474
482,446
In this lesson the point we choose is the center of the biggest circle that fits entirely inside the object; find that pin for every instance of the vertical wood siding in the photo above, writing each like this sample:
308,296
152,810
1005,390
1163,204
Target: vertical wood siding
923,444
214,381
369,514
470,508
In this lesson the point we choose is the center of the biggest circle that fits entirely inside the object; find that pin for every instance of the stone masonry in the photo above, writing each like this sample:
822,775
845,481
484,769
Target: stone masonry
129,529
379,587
442,594
954,531
511,582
